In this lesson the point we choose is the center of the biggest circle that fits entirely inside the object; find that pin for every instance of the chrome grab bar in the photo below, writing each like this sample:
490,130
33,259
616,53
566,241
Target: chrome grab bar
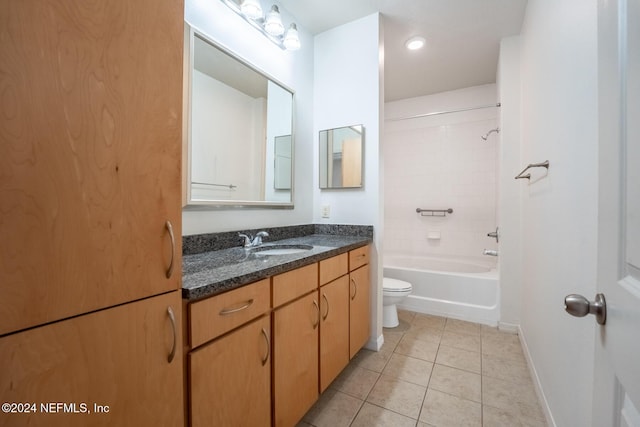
544,164
433,212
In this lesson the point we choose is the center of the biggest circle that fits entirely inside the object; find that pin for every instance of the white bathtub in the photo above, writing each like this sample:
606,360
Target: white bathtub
466,289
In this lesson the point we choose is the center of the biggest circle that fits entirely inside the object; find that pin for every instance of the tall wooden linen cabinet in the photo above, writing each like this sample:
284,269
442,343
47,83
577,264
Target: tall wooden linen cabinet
90,212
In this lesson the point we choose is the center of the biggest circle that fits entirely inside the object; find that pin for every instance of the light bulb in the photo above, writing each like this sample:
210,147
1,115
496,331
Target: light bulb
251,9
273,22
291,40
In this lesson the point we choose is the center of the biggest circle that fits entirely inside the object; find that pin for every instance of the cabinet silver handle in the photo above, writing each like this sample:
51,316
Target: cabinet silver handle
266,338
355,289
315,303
327,301
172,318
169,228
226,311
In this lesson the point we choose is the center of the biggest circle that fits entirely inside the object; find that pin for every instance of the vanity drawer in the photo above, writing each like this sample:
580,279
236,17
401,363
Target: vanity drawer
332,268
289,286
214,316
358,257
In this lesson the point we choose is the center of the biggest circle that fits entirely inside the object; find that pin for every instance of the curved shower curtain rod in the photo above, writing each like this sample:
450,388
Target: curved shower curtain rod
435,113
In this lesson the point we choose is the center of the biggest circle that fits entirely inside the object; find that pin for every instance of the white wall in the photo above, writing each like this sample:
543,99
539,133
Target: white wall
441,162
510,194
293,69
559,222
213,126
348,90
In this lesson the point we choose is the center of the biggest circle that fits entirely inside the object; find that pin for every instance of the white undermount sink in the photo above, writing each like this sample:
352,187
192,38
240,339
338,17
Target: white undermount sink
281,249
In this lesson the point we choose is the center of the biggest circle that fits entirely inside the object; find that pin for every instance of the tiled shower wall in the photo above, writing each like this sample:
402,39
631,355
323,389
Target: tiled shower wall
441,162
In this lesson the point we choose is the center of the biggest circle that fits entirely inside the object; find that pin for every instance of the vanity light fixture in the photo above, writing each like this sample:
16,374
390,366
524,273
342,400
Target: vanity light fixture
270,25
415,43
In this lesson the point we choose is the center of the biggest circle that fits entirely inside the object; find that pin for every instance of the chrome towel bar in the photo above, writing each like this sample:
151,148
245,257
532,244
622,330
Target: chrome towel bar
434,212
230,186
544,164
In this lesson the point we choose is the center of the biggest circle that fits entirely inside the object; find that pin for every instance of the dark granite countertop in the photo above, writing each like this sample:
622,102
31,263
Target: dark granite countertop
210,273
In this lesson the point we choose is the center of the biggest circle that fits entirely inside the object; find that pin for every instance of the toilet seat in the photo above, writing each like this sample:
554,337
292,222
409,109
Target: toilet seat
395,285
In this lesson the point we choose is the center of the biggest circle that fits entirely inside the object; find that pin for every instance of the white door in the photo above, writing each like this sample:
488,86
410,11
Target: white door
617,353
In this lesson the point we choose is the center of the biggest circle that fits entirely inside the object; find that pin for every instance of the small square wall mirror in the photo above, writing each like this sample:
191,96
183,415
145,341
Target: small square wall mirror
341,157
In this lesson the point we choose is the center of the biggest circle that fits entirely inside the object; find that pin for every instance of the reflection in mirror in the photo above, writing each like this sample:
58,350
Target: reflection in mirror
341,157
240,132
282,176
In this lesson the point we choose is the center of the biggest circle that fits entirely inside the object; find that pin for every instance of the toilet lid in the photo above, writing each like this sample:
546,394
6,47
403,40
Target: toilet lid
395,285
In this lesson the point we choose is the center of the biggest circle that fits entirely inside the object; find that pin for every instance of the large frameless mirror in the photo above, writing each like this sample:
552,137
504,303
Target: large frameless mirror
240,131
341,157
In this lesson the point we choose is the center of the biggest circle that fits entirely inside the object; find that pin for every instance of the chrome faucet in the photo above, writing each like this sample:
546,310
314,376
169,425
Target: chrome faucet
490,252
252,242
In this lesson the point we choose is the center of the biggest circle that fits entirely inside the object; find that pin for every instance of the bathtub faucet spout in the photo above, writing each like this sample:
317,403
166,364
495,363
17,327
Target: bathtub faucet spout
490,252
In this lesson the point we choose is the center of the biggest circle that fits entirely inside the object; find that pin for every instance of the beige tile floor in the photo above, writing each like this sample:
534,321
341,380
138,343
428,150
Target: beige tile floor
433,371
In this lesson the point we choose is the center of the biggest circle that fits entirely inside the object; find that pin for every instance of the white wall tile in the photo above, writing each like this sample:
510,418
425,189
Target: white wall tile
441,162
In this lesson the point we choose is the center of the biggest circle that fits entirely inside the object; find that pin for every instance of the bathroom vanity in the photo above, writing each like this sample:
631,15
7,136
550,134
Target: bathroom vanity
266,334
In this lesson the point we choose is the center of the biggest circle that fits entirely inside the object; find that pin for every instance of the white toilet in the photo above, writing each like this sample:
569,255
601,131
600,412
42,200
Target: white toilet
393,292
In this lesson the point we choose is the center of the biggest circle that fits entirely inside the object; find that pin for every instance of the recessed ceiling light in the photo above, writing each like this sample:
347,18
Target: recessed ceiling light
415,43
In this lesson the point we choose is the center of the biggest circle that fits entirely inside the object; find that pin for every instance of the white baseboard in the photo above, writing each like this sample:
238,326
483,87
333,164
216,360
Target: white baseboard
536,380
374,343
511,328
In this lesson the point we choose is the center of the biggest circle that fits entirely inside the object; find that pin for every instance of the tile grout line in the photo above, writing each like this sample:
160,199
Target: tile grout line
392,352
424,398
374,384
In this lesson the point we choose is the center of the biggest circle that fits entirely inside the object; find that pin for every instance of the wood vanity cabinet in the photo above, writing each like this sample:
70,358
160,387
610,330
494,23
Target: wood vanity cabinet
296,321
90,156
230,377
334,314
359,299
110,368
90,212
263,353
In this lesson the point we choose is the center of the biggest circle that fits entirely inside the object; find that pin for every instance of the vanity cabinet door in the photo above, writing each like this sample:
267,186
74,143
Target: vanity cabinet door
90,155
231,378
295,359
114,367
359,309
334,330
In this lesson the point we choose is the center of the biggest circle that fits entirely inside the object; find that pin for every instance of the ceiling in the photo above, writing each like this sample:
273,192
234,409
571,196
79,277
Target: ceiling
463,38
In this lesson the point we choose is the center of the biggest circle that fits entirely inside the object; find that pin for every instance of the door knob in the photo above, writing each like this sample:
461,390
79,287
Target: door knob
579,306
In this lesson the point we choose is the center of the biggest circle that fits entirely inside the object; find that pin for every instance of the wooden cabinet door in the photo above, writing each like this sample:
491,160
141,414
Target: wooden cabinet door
334,330
295,359
115,360
230,378
90,155
359,309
